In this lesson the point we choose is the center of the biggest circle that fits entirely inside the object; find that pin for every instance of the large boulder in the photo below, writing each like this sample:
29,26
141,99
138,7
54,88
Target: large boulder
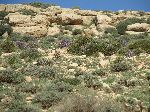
139,27
25,24
103,19
69,19
53,31
17,7
85,12
36,31
88,20
17,19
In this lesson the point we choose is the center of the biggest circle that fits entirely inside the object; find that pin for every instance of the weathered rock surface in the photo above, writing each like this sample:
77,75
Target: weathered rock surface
53,31
36,31
139,27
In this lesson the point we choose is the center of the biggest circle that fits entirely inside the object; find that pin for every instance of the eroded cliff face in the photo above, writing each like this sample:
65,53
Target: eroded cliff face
50,21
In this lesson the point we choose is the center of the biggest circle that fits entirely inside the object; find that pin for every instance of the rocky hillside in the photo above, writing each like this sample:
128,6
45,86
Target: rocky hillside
55,59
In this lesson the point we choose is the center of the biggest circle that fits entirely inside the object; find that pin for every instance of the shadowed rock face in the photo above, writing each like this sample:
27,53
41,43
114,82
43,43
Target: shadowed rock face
94,22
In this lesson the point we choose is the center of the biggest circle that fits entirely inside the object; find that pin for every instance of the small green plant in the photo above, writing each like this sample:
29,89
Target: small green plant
11,76
27,12
76,7
44,62
47,99
25,87
142,45
120,65
3,14
84,46
4,29
148,20
112,31
77,32
13,61
109,46
99,72
30,54
41,5
8,45
41,72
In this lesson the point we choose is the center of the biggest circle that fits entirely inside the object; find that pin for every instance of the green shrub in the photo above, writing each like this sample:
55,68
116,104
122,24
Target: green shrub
92,82
11,76
41,5
72,81
27,87
84,46
3,14
141,45
148,20
122,26
77,32
44,62
30,54
76,7
22,106
99,72
14,61
8,45
47,42
5,28
120,65
47,99
109,46
41,72
112,31
27,12
60,87
88,103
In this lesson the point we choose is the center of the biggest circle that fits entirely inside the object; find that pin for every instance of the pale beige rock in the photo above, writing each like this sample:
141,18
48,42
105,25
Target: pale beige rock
138,27
69,19
40,19
28,78
103,19
133,33
36,31
53,31
17,19
86,12
103,27
88,20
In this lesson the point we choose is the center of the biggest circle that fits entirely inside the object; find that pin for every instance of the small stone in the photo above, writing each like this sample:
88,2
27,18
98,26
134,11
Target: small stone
28,78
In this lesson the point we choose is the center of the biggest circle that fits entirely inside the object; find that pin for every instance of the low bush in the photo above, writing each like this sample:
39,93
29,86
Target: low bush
47,99
3,14
120,65
8,45
44,62
27,12
148,20
48,42
30,54
11,76
13,61
142,45
27,87
109,46
40,72
88,103
41,5
84,46
60,87
4,29
77,32
22,106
